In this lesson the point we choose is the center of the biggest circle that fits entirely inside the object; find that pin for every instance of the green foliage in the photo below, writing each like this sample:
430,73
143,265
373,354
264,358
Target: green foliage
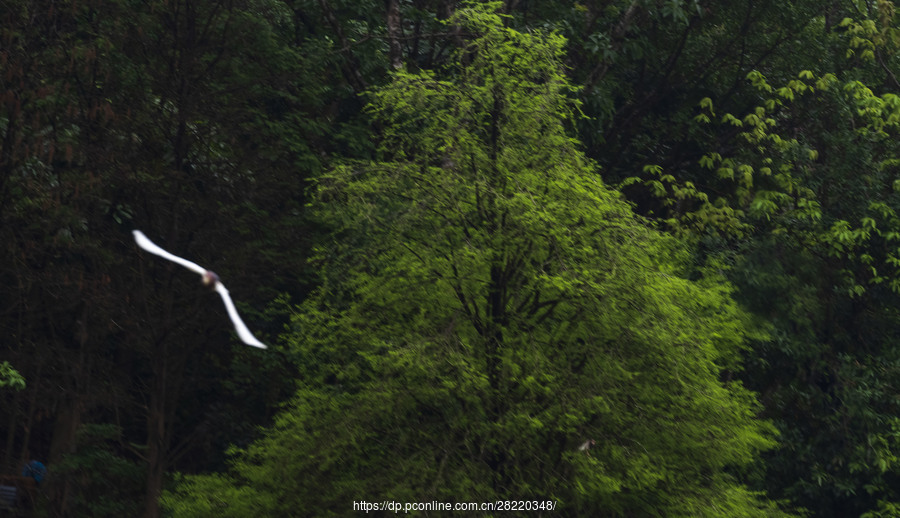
487,305
217,495
775,154
10,377
817,260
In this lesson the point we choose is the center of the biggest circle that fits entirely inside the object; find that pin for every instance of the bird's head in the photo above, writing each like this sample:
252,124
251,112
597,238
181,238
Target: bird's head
210,279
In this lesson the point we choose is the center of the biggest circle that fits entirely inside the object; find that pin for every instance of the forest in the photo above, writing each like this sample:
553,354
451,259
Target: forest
591,258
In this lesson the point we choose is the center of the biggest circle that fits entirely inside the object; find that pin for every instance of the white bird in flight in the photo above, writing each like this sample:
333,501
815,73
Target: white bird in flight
209,279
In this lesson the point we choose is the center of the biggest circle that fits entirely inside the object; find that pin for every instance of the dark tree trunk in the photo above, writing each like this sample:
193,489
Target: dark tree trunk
64,433
156,453
394,32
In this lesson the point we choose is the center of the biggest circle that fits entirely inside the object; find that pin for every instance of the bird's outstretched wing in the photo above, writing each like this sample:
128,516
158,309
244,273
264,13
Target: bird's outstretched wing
239,326
245,335
145,243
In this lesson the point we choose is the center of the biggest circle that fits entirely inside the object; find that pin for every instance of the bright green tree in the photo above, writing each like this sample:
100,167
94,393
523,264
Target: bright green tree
486,306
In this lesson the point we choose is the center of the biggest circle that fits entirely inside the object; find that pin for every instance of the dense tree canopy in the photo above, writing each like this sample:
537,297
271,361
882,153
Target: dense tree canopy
483,284
480,234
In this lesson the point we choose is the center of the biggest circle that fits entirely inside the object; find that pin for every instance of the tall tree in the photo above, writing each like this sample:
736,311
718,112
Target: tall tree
487,306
